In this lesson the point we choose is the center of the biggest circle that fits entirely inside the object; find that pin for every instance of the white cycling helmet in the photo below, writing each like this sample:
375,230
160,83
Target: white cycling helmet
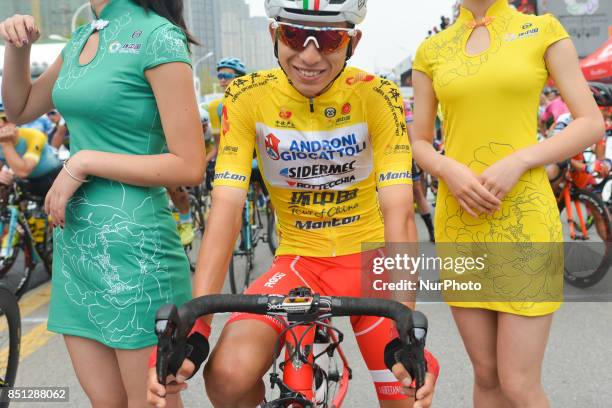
320,11
204,116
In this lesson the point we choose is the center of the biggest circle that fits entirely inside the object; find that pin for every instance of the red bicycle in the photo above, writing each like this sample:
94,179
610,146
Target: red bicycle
315,371
585,264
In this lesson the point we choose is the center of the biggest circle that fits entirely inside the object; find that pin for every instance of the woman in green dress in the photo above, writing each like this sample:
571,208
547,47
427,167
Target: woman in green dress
124,85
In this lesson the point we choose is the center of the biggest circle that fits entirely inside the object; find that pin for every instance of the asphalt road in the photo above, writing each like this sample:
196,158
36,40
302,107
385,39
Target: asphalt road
577,369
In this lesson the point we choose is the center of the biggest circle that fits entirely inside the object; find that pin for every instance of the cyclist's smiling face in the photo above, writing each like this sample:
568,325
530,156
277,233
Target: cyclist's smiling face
310,70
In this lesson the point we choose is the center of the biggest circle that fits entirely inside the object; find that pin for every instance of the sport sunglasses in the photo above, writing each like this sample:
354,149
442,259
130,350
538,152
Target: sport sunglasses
226,75
326,39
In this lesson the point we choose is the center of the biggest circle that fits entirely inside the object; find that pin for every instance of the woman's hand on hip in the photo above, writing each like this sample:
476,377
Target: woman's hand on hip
466,187
19,30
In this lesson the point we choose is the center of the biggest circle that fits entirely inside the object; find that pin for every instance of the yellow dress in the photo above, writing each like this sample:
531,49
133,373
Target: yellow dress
489,103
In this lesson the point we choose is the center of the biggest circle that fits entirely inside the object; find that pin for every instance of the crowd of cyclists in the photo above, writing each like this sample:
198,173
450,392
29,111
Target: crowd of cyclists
328,189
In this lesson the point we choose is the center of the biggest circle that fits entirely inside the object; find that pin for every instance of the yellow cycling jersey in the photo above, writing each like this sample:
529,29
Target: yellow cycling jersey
213,112
35,142
322,159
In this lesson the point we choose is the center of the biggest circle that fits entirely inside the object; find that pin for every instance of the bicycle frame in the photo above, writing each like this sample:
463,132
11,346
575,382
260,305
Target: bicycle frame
15,203
298,378
566,196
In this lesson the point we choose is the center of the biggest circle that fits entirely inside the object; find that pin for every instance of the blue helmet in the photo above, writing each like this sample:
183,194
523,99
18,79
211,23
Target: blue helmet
232,63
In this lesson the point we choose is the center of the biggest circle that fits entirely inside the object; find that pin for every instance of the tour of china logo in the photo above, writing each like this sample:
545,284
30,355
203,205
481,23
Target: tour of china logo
272,146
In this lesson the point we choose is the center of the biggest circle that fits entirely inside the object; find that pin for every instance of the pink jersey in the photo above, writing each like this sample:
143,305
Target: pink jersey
555,109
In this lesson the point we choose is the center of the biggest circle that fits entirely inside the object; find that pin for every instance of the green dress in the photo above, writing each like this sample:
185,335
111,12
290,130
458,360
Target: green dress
119,257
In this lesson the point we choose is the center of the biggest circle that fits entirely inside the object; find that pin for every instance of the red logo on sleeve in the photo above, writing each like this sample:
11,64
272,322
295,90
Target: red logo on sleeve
225,124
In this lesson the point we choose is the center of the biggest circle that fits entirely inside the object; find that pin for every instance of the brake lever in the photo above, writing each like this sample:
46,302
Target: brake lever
413,354
171,348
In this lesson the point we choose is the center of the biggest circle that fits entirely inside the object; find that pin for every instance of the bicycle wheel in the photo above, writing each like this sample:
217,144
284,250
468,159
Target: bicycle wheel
197,214
239,283
586,263
272,231
241,260
10,333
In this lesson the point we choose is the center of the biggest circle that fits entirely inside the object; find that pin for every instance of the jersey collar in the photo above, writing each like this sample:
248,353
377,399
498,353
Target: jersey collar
294,94
498,8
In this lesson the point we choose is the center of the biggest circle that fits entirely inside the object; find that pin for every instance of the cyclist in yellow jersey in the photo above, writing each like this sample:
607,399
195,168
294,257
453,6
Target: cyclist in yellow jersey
28,156
228,69
487,71
333,149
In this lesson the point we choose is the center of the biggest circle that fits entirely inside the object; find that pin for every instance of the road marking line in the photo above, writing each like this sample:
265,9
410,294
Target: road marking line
31,302
31,342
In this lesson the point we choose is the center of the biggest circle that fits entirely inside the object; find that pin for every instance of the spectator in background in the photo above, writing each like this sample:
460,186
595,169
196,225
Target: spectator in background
555,108
59,131
42,124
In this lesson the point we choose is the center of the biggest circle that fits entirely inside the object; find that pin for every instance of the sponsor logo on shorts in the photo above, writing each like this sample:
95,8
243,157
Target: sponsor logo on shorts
389,389
274,279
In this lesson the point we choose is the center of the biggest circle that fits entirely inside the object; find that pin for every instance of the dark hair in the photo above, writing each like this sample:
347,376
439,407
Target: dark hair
171,10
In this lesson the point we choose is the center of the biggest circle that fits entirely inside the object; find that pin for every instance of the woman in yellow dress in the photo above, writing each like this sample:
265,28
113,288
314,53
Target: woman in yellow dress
487,72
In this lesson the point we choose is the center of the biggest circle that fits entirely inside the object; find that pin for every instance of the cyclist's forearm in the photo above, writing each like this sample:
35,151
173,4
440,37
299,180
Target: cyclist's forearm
397,208
580,134
20,167
220,235
140,170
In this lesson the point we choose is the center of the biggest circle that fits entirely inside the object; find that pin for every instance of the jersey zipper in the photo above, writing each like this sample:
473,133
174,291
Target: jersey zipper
331,231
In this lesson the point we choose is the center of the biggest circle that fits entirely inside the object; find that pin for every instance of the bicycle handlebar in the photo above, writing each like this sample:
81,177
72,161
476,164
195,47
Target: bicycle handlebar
173,325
